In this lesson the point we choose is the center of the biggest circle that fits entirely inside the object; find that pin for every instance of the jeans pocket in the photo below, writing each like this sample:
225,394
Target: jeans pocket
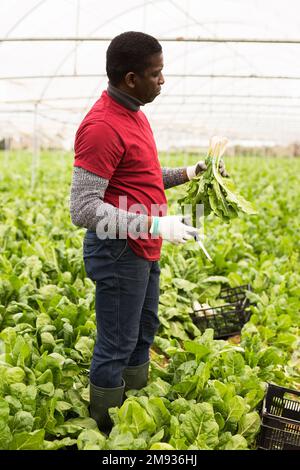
96,257
91,239
117,247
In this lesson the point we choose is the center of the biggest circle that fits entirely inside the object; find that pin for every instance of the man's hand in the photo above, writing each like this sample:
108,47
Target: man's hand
222,169
200,168
172,228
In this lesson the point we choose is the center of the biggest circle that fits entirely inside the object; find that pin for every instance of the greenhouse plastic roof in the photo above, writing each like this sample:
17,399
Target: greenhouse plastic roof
248,91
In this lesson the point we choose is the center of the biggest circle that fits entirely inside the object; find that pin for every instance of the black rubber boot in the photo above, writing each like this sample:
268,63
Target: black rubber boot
101,399
136,377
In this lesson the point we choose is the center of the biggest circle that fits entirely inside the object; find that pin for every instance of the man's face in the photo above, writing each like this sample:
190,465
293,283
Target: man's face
147,86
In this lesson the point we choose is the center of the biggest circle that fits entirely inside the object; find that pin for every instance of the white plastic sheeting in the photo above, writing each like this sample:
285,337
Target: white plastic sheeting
49,85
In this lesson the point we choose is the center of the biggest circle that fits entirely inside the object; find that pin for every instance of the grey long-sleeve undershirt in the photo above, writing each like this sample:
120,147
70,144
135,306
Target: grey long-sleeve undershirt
87,206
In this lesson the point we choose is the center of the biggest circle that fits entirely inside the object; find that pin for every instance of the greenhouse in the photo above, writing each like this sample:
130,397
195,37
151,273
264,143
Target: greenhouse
149,260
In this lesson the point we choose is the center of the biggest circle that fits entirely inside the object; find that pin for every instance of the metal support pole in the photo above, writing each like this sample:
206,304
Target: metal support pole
36,149
6,151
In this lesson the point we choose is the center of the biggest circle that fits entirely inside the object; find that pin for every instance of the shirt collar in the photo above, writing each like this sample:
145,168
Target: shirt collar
123,98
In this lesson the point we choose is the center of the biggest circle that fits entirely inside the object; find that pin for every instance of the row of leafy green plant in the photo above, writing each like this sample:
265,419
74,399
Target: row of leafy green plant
203,393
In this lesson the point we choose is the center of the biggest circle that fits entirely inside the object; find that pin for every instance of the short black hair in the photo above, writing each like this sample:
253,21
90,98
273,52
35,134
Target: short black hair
129,52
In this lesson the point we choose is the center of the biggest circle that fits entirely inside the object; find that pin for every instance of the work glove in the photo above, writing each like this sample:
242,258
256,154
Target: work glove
172,228
200,168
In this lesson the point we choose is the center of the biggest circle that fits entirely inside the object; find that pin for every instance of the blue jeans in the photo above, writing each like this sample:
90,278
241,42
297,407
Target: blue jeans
127,294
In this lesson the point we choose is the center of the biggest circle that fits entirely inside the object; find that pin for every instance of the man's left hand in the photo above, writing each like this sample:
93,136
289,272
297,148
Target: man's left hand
222,169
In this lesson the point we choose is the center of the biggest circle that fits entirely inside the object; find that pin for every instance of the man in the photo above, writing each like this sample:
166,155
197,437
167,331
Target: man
116,159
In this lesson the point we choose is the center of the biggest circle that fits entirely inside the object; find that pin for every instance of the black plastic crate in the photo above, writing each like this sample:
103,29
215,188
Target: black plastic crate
228,319
280,429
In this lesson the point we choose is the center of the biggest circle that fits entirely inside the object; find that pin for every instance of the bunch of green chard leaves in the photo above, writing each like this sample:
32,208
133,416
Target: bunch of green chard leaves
216,193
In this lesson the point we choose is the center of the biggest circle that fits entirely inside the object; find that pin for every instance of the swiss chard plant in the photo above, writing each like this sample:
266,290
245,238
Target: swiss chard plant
217,193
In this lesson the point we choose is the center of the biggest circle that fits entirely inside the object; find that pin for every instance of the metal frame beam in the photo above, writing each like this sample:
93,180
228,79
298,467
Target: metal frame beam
171,75
171,39
175,95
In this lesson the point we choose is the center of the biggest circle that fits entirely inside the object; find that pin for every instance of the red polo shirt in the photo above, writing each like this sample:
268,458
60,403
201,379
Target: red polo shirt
117,144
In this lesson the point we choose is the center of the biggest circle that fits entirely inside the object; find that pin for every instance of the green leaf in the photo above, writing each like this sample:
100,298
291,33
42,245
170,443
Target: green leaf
234,363
158,388
75,426
229,442
177,330
184,284
4,412
156,408
168,298
28,441
179,406
199,426
236,408
217,279
199,350
157,438
78,406
91,437
59,443
161,446
26,395
14,404
249,426
124,440
85,346
137,419
238,442
209,293
22,422
14,374
285,340
63,406
46,389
